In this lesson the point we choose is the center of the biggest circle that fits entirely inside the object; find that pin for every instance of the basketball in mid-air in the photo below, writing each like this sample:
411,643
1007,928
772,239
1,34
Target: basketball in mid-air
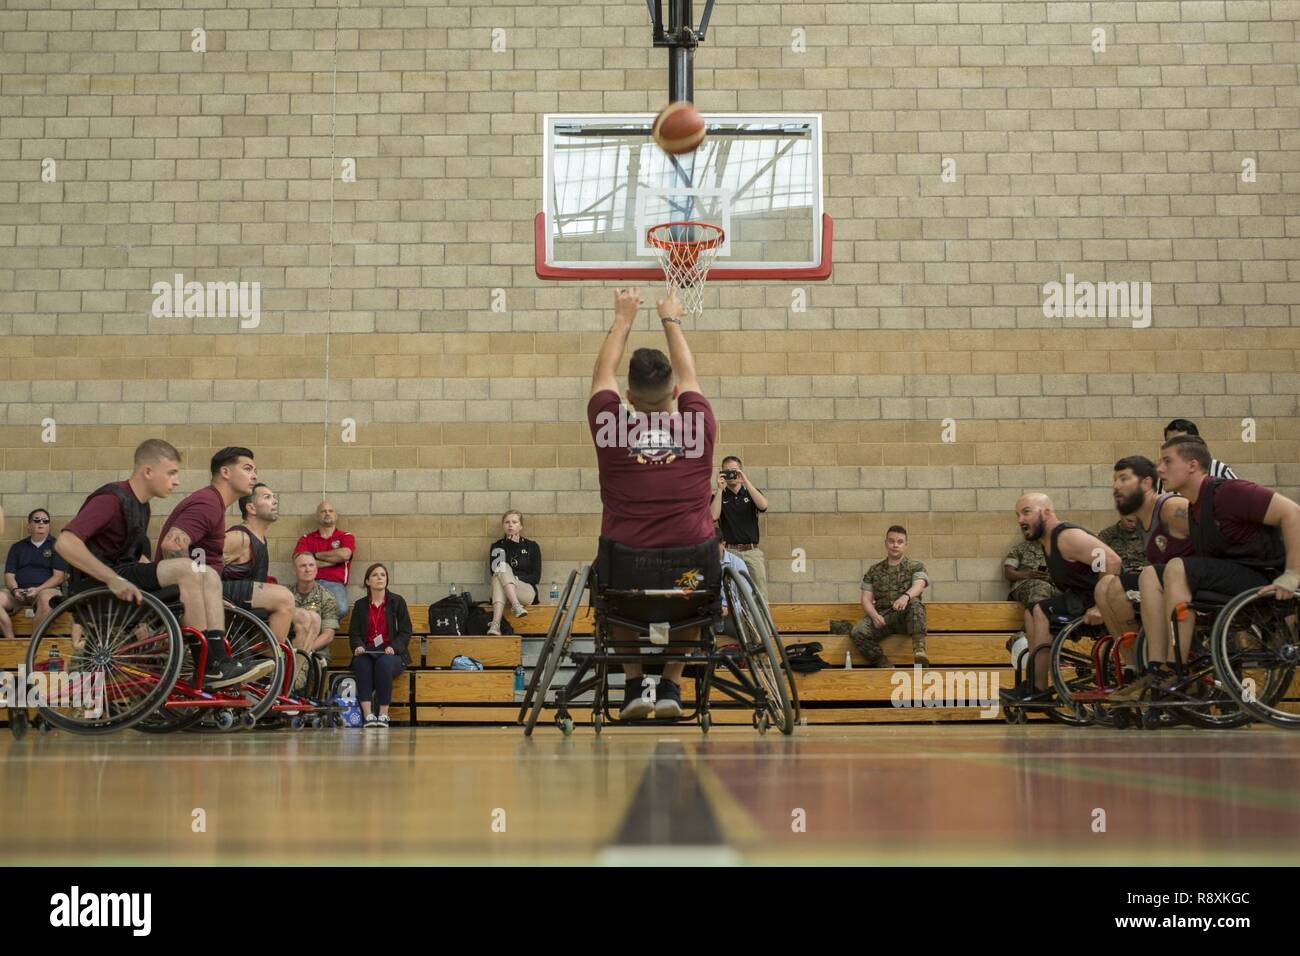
679,128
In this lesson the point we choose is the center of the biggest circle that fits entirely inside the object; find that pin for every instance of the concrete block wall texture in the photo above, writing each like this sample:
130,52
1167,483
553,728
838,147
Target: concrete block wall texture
376,295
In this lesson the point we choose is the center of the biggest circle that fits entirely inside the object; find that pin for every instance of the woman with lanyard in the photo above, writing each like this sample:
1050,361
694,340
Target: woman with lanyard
379,631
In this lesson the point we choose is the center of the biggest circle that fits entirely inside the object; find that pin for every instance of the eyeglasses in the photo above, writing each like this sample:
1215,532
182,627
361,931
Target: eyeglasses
40,521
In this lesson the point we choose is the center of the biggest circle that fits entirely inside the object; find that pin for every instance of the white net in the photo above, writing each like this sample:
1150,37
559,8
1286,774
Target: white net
686,251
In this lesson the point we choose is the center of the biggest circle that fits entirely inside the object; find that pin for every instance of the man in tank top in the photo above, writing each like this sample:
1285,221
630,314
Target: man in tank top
1076,558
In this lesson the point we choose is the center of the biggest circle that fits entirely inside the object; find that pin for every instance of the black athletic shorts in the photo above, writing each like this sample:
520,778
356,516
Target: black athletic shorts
1129,579
1065,607
143,575
239,593
1219,577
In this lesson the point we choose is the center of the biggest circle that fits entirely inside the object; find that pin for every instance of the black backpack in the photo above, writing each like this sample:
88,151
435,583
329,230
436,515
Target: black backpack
450,615
803,658
480,617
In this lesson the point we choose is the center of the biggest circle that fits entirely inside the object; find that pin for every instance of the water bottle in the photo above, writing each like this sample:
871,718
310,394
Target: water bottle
54,662
555,593
454,590
519,683
848,660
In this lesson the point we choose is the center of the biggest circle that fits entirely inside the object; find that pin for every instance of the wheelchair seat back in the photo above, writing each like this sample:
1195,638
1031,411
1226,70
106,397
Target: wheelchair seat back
624,574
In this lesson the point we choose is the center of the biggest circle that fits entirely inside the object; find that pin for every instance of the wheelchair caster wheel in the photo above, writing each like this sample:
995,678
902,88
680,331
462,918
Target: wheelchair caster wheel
761,723
224,719
1122,718
1015,715
247,721
705,723
18,723
296,722
565,724
46,727
597,724
317,723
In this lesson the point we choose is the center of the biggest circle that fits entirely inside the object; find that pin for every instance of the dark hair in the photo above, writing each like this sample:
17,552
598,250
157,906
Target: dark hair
37,511
732,458
650,375
1140,465
1189,448
365,581
228,456
896,529
153,450
1182,425
245,500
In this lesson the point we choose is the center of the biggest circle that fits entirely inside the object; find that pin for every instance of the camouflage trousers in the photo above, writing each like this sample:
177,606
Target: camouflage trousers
867,637
1031,592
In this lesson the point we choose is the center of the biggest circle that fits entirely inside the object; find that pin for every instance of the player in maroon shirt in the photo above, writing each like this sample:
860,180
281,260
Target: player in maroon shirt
1245,536
197,529
655,460
108,542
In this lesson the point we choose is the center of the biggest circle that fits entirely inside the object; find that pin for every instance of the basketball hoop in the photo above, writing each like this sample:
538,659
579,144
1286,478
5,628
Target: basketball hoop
686,251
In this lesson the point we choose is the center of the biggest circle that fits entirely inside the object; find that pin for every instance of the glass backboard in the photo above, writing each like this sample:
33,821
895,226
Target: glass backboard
606,183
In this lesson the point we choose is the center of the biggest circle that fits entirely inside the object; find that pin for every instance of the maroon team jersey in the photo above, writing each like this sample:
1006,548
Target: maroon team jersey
202,516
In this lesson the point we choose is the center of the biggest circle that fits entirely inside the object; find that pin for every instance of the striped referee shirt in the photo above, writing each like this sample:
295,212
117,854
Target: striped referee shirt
1218,469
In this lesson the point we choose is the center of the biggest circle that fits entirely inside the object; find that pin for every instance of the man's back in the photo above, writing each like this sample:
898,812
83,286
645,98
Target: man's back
655,482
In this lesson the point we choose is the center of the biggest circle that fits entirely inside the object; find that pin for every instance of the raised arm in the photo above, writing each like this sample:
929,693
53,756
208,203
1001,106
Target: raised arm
679,353
626,304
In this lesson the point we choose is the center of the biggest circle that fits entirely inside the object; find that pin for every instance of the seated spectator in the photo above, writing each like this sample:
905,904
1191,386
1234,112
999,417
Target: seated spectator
379,632
515,569
1025,568
34,573
333,550
316,613
1126,539
891,598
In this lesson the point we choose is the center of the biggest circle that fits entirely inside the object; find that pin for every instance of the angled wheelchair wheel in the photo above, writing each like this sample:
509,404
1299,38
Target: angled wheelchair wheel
1255,648
557,645
1077,676
762,648
1197,697
108,663
251,639
548,645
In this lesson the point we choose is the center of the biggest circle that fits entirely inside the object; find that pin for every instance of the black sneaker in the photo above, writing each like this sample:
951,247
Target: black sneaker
229,671
635,706
668,699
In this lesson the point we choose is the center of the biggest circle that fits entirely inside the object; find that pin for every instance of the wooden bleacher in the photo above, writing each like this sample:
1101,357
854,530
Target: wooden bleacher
966,636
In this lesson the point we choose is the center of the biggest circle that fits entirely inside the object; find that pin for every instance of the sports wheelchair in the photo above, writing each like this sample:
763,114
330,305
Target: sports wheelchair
1241,648
135,666
672,597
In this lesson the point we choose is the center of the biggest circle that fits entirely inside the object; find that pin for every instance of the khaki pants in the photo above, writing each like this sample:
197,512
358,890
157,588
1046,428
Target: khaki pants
757,566
504,575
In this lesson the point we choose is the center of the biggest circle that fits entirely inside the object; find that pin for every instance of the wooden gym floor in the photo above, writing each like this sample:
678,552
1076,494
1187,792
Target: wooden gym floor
907,794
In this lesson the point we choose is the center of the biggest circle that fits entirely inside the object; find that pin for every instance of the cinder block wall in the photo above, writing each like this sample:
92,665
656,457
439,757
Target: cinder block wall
1122,165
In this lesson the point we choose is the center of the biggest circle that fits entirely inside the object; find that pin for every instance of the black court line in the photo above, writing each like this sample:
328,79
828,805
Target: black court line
670,807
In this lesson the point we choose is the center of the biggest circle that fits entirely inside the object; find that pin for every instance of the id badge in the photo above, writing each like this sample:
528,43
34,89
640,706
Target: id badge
379,640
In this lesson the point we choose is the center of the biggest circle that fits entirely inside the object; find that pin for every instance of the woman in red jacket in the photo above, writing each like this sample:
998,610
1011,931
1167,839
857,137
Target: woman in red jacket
379,631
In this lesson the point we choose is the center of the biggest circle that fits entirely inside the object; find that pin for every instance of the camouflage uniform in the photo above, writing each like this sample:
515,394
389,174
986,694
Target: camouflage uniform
1029,556
1129,545
323,603
887,584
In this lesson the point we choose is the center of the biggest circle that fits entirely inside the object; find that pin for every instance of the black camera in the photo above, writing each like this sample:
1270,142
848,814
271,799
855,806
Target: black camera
730,474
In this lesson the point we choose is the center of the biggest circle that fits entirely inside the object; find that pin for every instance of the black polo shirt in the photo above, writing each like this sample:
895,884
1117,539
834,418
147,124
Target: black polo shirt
31,565
739,517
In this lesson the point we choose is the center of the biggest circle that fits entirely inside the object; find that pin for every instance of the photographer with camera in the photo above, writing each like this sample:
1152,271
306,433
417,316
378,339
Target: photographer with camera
736,506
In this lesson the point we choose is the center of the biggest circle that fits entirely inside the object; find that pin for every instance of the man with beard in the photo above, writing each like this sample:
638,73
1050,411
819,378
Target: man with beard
246,562
1160,523
1075,561
1242,536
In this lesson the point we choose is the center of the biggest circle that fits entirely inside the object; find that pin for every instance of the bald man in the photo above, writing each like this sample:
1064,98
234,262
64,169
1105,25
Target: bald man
1076,559
333,550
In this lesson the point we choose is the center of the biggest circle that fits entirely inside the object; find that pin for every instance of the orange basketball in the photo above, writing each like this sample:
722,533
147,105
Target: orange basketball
679,128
